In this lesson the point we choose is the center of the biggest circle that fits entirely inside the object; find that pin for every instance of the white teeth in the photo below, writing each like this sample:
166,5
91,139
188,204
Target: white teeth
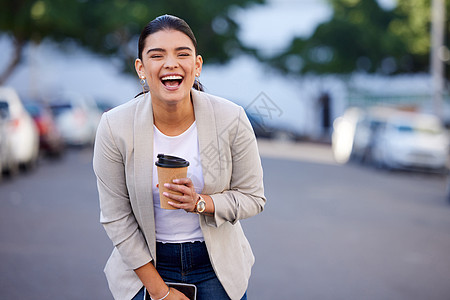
172,77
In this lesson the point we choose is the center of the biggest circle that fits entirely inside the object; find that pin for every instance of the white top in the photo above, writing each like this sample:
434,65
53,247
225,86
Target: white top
178,226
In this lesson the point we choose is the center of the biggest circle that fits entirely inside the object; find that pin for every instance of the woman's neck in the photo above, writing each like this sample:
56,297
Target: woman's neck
173,119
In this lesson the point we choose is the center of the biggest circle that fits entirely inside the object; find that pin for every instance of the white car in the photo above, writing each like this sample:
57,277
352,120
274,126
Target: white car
354,132
77,118
367,129
344,130
412,140
23,132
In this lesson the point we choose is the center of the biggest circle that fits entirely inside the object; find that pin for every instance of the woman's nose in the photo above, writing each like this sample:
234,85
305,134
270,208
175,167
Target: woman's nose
171,62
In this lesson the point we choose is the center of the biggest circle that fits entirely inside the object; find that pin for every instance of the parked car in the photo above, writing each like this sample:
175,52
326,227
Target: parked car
77,118
343,136
354,132
5,139
104,106
24,135
412,140
366,130
261,130
50,139
279,131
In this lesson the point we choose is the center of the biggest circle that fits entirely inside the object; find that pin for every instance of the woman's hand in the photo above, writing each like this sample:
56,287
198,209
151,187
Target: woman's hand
189,197
176,295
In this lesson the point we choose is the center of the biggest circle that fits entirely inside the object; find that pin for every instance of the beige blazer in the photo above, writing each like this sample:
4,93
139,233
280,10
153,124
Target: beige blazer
233,176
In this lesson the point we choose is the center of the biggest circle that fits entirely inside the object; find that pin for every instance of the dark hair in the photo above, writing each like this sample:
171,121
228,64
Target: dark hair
168,22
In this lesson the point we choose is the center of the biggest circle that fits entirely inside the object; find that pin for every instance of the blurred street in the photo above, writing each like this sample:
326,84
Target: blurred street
329,231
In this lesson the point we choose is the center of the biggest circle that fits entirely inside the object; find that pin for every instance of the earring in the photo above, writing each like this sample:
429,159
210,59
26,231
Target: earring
142,82
197,84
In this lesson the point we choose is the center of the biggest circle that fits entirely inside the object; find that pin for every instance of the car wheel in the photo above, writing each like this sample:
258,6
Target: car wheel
11,171
30,165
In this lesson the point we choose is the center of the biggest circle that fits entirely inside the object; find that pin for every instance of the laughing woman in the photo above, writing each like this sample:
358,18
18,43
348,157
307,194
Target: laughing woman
201,241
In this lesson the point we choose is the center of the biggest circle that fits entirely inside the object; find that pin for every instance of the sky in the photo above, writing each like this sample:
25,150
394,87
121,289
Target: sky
279,21
271,27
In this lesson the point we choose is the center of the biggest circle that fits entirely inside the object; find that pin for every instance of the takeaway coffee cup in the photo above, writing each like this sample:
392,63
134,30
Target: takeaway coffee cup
169,168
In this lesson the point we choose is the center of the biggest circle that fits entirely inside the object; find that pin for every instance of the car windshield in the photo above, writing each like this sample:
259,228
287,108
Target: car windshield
58,109
4,109
33,109
405,128
418,129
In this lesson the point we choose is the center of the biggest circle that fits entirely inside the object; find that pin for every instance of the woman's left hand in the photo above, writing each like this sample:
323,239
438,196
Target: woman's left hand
189,197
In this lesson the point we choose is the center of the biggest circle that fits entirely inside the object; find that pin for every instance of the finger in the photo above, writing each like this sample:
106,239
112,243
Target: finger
185,181
176,204
172,196
178,293
179,198
186,206
182,201
179,188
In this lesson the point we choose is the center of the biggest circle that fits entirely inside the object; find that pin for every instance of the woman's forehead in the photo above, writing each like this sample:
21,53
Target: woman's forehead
168,39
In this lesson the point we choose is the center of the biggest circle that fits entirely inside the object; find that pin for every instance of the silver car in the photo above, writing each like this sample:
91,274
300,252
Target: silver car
77,118
23,132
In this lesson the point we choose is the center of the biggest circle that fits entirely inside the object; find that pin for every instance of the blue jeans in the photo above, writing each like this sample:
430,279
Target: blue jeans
188,263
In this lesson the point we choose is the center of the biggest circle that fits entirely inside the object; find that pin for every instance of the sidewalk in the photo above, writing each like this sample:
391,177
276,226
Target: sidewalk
300,151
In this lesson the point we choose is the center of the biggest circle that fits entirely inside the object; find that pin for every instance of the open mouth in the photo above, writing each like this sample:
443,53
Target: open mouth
172,81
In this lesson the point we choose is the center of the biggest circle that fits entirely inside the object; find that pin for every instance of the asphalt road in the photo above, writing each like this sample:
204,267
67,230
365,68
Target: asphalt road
328,231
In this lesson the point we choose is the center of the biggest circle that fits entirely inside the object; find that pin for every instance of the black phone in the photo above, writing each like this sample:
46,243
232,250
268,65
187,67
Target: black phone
189,290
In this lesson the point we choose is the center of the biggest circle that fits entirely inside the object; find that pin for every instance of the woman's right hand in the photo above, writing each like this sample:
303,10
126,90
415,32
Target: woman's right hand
176,295
155,284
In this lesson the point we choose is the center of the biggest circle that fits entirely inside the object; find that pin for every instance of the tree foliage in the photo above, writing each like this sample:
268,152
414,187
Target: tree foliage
112,27
362,36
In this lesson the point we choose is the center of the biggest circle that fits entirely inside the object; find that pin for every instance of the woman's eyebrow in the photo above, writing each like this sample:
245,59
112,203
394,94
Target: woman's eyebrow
163,50
156,50
183,48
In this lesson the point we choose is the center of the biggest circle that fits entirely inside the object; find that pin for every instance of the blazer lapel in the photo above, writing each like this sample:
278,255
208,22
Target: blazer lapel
207,140
143,168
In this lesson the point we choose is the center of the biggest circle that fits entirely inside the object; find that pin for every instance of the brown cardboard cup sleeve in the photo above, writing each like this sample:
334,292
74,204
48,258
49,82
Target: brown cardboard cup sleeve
169,168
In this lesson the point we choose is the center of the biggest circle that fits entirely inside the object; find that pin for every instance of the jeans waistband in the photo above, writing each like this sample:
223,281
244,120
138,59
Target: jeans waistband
182,255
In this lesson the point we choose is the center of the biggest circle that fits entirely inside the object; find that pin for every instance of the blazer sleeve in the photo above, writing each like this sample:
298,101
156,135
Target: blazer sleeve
245,197
116,213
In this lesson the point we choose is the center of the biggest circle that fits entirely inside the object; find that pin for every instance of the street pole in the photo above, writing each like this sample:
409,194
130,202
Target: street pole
437,63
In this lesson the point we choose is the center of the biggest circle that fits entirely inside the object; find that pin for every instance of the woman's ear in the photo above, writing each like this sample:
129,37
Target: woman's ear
198,64
139,67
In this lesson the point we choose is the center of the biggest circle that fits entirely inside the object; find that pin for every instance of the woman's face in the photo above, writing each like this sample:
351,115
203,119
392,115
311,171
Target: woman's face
169,64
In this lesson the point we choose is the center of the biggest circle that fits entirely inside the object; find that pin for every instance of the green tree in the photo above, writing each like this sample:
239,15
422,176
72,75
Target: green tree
112,27
363,36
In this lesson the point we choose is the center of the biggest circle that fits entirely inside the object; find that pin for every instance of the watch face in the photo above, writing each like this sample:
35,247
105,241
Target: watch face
201,205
